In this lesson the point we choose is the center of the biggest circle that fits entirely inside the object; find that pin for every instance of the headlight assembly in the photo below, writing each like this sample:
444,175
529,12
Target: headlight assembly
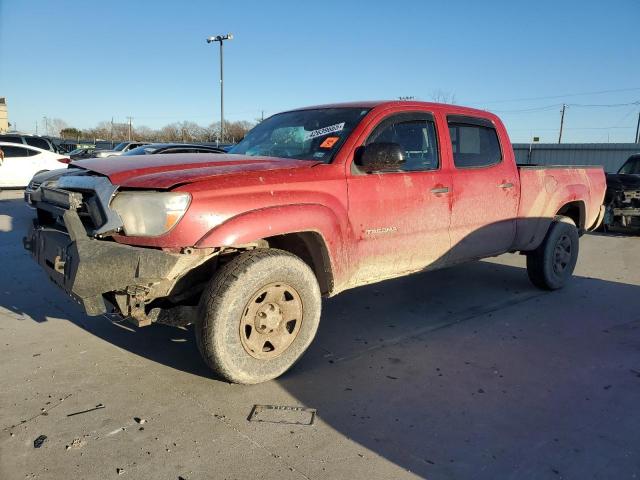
149,214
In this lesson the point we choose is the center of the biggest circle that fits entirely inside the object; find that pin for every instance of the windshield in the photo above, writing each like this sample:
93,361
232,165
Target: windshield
631,167
76,151
303,134
144,150
121,146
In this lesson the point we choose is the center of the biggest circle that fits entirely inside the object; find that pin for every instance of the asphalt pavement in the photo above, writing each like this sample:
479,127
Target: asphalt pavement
466,373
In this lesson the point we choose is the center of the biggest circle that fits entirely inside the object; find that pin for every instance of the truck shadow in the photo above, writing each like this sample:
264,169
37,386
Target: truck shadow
468,372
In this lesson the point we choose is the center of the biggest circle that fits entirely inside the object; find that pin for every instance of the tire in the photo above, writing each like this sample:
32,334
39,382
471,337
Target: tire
258,315
550,266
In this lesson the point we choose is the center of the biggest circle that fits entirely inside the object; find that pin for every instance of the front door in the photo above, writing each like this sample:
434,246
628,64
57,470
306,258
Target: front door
400,218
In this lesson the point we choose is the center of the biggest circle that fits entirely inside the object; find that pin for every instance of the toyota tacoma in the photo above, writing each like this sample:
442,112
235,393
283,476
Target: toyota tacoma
310,203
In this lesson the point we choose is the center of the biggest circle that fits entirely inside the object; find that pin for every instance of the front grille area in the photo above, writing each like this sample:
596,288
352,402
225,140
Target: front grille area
33,185
88,195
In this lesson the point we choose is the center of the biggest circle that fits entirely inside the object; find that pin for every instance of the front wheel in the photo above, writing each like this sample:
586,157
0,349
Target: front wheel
258,315
550,266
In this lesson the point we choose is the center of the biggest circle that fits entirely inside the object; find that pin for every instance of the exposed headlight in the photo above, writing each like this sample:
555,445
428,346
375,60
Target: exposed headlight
149,214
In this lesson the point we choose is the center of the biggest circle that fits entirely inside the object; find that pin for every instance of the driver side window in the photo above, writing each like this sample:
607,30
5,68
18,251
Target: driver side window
416,137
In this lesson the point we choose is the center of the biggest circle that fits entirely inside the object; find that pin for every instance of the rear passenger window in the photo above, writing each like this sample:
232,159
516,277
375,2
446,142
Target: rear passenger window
37,142
12,152
10,139
474,145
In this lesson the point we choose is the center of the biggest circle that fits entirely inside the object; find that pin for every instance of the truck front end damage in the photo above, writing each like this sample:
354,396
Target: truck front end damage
623,204
70,241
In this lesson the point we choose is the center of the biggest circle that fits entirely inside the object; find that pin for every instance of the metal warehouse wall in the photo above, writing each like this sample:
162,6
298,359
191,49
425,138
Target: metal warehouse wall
610,155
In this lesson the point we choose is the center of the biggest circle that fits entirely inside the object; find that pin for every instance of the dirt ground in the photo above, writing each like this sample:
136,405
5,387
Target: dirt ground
467,373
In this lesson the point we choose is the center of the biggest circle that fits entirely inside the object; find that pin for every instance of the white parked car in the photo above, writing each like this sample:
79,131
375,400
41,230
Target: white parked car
22,162
120,149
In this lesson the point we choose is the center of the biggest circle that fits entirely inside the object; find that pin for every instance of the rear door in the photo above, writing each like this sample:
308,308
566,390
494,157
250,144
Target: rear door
485,190
17,167
400,218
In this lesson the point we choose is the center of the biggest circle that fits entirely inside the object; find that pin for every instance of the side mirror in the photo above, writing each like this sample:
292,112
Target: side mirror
380,156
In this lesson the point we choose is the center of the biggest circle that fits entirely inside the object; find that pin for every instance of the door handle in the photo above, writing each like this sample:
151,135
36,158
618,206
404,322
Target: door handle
506,185
440,190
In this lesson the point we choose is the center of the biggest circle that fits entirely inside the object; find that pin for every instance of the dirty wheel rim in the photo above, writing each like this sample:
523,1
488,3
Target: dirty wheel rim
562,254
271,321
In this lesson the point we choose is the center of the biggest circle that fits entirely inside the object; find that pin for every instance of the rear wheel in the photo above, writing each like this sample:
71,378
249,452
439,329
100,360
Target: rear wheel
550,266
258,315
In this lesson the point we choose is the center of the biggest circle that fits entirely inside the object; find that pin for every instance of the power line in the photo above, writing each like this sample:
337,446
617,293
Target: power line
606,105
579,105
550,97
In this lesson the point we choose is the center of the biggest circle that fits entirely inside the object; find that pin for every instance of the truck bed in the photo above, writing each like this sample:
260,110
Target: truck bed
546,189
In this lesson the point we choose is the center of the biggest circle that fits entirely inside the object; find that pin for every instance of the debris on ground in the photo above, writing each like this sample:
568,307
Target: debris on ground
139,420
37,443
77,443
120,471
97,407
283,414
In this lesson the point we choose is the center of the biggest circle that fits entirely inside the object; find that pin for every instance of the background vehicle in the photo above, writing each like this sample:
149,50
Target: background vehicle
622,200
311,202
31,140
222,146
38,179
119,149
22,162
79,153
156,148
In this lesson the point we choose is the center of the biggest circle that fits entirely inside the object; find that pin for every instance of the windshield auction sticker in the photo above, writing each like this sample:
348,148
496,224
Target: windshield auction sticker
329,142
325,130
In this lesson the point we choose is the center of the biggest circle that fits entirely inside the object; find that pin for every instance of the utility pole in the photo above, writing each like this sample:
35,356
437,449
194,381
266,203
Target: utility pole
221,39
111,132
564,106
37,127
46,125
638,129
129,128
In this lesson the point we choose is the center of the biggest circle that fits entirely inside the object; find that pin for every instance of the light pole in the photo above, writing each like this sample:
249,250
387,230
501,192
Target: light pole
221,39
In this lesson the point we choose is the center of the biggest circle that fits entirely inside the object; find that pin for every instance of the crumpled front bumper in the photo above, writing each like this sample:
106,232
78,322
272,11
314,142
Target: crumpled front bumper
94,272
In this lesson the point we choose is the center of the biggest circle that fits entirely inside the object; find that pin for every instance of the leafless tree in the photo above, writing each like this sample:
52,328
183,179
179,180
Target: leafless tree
55,125
184,131
443,96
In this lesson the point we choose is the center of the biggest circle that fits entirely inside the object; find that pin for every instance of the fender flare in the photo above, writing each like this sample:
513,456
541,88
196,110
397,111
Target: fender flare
267,222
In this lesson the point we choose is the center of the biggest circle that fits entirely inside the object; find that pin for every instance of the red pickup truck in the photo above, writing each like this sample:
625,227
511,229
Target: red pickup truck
310,203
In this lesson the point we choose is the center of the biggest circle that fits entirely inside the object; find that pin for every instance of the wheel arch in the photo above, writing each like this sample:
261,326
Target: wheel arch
576,211
311,232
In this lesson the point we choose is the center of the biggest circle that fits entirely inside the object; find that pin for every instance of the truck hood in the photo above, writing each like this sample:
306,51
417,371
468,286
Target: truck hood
170,170
623,181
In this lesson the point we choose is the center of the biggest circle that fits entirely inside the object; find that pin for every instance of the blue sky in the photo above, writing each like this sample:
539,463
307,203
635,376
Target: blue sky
86,61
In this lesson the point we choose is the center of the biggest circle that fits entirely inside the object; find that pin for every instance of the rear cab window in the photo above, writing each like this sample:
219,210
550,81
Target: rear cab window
474,142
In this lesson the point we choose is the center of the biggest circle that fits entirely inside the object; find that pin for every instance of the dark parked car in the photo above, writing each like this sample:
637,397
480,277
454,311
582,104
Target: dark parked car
155,148
80,153
623,195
